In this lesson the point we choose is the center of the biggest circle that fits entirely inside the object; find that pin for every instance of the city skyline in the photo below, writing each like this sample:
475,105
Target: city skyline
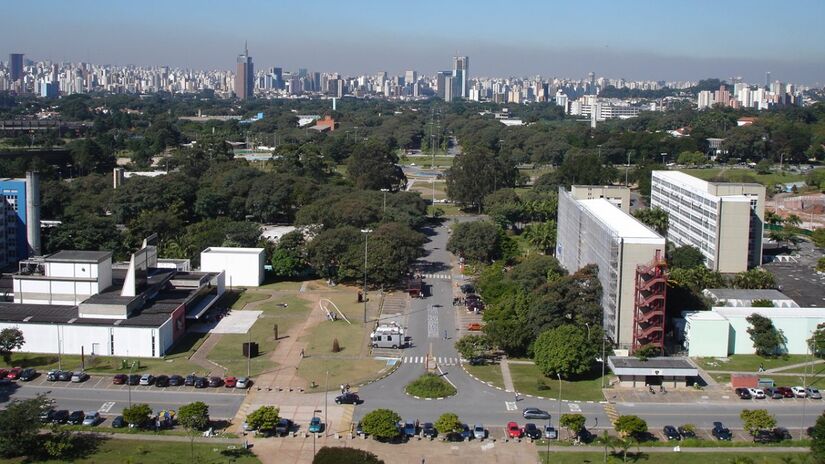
556,40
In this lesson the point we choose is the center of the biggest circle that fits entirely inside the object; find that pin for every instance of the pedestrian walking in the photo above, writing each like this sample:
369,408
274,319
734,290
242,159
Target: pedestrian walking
342,388
302,353
445,334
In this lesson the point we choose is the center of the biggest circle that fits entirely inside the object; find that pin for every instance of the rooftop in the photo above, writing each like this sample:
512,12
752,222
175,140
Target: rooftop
150,316
689,181
625,225
744,294
728,311
233,250
629,362
78,256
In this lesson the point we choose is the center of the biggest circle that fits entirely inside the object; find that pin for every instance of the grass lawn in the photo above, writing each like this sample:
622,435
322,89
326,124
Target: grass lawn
426,161
228,351
668,458
487,373
286,285
341,371
133,451
249,296
430,386
448,209
744,175
528,380
748,362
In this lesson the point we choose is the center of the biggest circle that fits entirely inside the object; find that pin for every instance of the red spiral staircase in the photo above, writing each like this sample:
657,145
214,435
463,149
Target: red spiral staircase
649,312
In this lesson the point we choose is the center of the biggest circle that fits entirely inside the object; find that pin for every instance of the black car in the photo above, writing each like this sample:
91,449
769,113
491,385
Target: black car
671,433
477,361
175,380
60,417
201,382
535,413
532,431
764,436
584,436
118,422
284,427
162,381
215,382
686,432
76,417
467,288
428,430
743,393
65,376
720,432
134,379
782,433
774,393
53,376
190,380
47,416
28,374
347,398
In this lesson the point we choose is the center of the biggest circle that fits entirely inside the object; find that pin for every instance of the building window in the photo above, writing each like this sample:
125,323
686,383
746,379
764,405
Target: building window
111,344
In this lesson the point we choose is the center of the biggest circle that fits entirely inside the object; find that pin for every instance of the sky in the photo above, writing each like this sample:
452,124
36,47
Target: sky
633,39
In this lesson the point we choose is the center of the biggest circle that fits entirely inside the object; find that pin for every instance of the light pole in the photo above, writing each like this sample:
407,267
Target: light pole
326,391
385,199
248,353
804,398
366,233
587,324
559,401
129,383
627,168
604,338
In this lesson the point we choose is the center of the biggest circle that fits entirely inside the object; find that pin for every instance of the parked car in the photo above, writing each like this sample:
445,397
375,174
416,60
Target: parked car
359,430
513,430
532,431
65,376
315,425
47,416
786,392
162,381
764,436
782,433
51,376
147,379
14,373
230,382
79,377
76,417
774,393
584,436
686,432
215,382
243,382
671,433
175,381
283,427
466,433
535,413
118,422
799,392
201,382
347,398
408,429
60,416
813,393
3,373
720,432
28,374
120,379
757,393
190,380
743,393
134,379
478,432
428,430
474,326
91,418
550,433
477,361
467,288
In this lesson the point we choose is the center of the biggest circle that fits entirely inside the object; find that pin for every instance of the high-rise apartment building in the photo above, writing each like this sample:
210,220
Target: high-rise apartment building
443,79
15,66
597,232
244,76
725,221
20,222
461,78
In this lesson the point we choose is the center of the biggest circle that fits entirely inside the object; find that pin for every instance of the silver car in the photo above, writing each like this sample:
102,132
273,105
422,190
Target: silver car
242,382
91,418
813,393
478,432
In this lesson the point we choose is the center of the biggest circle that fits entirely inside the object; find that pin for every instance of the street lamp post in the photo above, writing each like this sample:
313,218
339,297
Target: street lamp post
129,384
248,353
559,401
385,199
604,338
326,391
366,234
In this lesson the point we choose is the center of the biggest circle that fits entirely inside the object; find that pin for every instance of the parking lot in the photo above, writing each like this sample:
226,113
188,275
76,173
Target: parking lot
105,383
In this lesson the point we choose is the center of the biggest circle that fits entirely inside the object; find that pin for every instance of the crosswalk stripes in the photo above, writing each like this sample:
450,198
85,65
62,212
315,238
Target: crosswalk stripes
441,360
436,276
611,412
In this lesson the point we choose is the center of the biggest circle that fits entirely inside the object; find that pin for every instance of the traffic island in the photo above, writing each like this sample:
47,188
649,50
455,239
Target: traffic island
430,387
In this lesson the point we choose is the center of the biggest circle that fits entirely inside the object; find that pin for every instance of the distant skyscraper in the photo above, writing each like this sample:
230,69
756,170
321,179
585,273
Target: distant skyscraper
441,79
16,66
410,77
461,69
244,76
591,83
768,80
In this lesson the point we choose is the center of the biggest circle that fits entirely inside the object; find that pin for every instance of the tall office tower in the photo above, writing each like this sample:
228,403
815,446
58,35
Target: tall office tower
278,77
410,77
441,82
20,207
593,230
244,75
16,66
449,88
591,82
302,72
724,221
767,80
461,78
316,81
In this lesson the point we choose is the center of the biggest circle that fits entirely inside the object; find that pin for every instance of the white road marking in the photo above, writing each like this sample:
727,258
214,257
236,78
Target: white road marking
106,407
574,407
432,322
511,405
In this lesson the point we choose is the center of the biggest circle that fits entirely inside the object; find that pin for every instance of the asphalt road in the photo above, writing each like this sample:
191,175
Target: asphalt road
475,402
111,399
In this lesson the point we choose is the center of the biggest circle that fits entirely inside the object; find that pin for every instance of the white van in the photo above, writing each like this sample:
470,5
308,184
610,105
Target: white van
387,336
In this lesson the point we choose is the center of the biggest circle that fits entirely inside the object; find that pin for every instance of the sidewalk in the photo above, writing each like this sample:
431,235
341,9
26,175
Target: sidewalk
200,356
505,374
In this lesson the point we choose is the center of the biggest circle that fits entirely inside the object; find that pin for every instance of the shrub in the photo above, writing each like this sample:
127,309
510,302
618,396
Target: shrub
430,386
341,455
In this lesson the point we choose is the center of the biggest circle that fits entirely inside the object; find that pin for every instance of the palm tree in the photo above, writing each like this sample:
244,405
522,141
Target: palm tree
792,221
772,218
655,218
542,236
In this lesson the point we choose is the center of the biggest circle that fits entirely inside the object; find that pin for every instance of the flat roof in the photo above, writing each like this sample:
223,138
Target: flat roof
655,363
233,250
625,225
800,281
151,316
682,178
745,294
78,256
728,311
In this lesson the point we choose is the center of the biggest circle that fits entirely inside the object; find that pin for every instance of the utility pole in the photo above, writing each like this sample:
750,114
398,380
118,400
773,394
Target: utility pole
248,353
129,384
366,234
559,412
326,395
385,199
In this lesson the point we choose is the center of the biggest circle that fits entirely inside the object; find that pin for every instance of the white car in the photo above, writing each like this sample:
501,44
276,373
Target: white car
757,393
147,379
799,392
813,393
242,382
478,432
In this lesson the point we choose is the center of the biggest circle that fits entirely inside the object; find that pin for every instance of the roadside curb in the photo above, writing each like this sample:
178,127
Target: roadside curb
391,371
489,384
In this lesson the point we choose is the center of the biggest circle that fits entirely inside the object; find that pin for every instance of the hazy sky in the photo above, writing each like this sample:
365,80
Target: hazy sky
634,39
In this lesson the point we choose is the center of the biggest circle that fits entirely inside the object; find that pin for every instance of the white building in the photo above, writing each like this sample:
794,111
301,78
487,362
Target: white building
723,220
244,267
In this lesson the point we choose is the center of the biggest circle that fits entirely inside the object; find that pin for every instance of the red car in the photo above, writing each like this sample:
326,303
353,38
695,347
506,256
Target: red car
14,373
513,430
229,382
785,391
3,373
120,379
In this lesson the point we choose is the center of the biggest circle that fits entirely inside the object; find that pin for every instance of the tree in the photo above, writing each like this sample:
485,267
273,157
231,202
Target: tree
767,339
818,236
761,303
137,415
10,339
373,166
573,423
85,232
193,417
685,257
289,257
764,166
648,351
381,424
342,455
818,440
21,426
630,426
817,341
542,235
820,264
565,351
477,173
88,156
476,241
756,278
264,418
471,346
695,279
756,420
691,158
586,169
448,423
655,218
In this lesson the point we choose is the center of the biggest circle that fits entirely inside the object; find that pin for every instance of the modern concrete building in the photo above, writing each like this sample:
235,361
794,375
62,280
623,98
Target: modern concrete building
723,331
20,234
616,194
244,267
725,221
461,78
597,232
244,76
667,372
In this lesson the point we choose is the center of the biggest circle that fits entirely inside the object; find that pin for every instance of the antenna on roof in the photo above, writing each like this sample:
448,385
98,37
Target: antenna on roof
245,48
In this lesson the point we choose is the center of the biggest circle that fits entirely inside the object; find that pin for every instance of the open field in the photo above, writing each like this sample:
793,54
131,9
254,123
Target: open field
669,458
487,373
744,175
528,380
748,362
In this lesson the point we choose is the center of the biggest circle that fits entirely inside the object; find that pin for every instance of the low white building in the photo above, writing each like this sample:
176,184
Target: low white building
723,331
244,267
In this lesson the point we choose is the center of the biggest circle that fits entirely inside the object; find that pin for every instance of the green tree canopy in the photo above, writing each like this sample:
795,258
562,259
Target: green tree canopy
194,416
477,173
448,423
756,278
685,257
655,218
766,338
19,435
264,418
564,350
476,241
818,440
138,414
630,426
11,339
372,166
755,420
381,424
573,422
470,346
